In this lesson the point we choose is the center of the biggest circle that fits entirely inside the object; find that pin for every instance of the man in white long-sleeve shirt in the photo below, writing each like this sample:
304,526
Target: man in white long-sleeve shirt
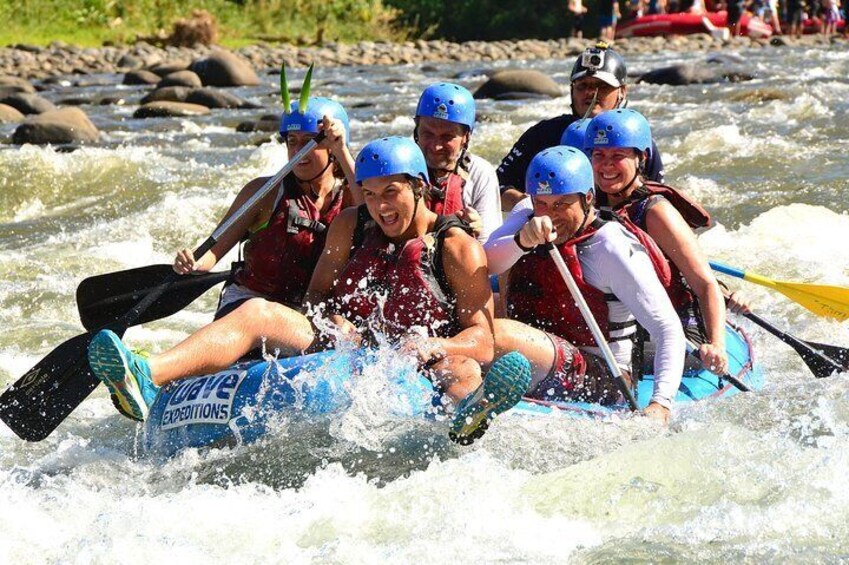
615,273
464,183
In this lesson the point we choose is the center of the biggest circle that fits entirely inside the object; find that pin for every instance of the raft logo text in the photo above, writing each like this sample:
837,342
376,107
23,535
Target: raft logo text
205,400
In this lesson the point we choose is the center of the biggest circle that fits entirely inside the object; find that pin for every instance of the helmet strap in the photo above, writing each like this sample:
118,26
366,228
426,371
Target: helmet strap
630,184
309,182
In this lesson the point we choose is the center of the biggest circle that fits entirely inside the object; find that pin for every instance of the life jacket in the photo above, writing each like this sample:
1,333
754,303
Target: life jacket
635,210
538,296
446,197
636,206
280,257
397,288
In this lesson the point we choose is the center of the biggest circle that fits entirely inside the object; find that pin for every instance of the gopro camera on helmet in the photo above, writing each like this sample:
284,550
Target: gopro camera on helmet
593,59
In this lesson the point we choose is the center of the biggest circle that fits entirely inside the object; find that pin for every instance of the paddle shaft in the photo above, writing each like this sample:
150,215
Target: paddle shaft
612,366
821,365
740,385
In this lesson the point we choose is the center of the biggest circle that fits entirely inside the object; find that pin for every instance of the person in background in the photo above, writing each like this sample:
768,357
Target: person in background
608,14
597,83
578,11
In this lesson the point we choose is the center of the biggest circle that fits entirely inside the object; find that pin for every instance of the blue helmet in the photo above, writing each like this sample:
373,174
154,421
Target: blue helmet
619,128
308,122
391,156
448,101
558,171
574,135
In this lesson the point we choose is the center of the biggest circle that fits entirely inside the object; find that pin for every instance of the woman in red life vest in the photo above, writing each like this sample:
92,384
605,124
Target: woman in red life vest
619,278
431,273
286,231
619,142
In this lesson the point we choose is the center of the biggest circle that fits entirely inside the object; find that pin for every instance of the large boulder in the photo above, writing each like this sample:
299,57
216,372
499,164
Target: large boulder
66,125
9,115
214,98
168,94
180,78
165,109
516,83
27,103
165,69
223,68
691,73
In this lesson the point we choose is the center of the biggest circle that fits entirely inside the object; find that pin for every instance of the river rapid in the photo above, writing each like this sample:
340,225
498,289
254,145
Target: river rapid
753,478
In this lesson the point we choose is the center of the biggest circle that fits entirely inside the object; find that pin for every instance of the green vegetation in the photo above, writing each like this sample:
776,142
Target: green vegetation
462,20
240,22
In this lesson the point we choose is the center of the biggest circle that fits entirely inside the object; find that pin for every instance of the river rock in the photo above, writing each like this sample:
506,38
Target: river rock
165,69
129,61
679,75
15,84
164,109
267,123
223,68
214,98
141,76
168,94
27,103
180,78
66,125
517,82
10,115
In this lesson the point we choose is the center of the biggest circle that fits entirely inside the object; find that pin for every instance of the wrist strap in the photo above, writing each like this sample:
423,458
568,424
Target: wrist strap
518,241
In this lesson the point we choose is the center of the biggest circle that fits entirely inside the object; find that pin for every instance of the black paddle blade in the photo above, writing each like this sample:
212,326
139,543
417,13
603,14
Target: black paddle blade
103,299
38,402
838,354
820,365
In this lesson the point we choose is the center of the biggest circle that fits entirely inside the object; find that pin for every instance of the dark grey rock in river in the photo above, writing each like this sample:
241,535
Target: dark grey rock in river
66,125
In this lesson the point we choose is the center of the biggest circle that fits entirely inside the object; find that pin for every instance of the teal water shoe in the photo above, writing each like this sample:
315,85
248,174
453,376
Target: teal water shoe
502,387
126,374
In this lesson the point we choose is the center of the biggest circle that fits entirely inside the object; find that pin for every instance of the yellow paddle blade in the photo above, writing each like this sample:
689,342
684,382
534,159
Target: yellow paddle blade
823,300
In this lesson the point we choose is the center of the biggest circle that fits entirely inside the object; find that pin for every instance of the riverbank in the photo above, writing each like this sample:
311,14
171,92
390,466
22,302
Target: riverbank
33,62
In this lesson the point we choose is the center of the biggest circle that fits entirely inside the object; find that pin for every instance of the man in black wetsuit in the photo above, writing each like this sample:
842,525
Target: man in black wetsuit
597,84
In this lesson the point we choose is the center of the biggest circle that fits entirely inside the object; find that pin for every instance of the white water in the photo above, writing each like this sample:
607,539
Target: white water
758,477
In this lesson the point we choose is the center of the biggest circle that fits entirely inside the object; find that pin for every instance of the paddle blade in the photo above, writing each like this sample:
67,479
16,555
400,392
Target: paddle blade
823,300
38,402
103,299
838,354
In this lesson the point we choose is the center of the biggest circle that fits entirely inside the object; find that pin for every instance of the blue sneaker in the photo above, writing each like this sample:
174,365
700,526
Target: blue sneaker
125,374
503,386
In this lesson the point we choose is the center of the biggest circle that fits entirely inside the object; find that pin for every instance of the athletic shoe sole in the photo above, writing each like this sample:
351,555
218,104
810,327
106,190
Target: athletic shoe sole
503,387
112,367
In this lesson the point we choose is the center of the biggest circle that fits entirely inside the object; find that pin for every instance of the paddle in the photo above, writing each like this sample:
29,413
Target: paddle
740,385
612,366
823,360
41,399
823,300
104,299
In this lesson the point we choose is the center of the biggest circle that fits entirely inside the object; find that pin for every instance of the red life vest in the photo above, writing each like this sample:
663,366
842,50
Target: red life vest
538,296
446,197
280,258
397,288
636,208
692,212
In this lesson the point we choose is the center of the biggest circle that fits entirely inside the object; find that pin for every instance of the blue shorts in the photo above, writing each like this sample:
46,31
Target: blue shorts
606,21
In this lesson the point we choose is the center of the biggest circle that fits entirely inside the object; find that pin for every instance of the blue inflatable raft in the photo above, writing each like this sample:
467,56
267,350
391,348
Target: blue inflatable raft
239,405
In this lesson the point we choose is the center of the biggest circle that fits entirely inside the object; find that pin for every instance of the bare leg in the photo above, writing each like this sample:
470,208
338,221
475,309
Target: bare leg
223,342
458,376
511,335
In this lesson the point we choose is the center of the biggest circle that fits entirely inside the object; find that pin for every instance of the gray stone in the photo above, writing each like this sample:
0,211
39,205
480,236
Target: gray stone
214,98
223,68
9,115
517,82
28,103
66,125
180,78
165,109
141,77
168,94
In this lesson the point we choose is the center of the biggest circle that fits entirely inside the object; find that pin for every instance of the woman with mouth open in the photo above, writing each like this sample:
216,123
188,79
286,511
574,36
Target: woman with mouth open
390,266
